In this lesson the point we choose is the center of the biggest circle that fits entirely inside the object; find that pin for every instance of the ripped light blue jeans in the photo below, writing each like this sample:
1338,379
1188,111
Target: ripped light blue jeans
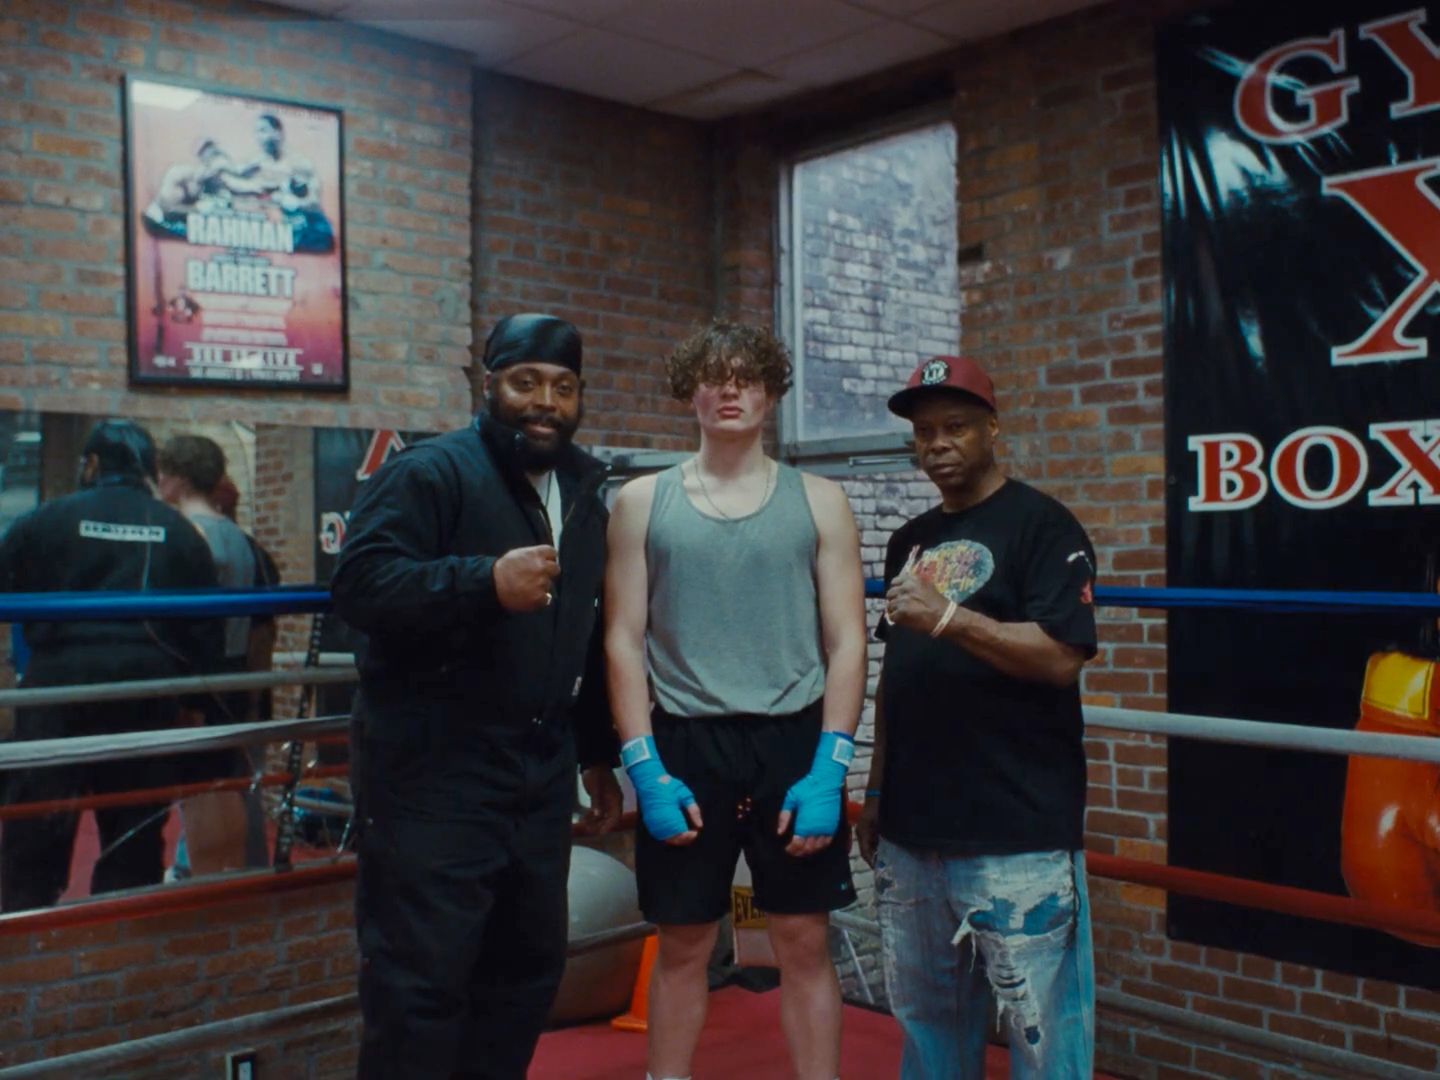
957,930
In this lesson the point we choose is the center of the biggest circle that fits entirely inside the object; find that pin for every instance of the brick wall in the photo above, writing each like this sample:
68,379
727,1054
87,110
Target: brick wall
64,991
407,183
286,526
603,215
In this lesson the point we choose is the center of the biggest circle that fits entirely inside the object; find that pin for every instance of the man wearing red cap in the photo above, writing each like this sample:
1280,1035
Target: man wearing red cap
975,804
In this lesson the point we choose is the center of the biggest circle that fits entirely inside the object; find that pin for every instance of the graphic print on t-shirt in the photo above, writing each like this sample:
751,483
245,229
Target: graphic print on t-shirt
1087,592
958,569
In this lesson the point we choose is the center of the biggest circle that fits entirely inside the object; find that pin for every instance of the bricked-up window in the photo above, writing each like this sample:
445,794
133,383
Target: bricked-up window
870,278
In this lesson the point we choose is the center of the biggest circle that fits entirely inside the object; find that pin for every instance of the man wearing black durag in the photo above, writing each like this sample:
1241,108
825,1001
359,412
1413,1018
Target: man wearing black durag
472,563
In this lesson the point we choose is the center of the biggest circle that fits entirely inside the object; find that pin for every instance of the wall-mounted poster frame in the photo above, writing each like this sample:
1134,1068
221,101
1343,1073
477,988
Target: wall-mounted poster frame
235,251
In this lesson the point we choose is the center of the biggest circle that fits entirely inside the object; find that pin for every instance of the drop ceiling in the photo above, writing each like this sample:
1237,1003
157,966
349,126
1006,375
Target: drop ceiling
703,59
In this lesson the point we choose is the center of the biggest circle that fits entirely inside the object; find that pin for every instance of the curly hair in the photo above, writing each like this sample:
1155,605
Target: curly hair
714,354
198,460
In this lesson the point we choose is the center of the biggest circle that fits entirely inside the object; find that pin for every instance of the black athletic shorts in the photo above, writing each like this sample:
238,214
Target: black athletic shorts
739,768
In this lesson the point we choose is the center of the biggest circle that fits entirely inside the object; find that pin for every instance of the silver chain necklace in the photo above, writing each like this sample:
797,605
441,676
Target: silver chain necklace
770,475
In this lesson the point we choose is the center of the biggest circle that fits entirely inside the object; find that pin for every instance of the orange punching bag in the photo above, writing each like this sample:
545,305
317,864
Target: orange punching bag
1390,832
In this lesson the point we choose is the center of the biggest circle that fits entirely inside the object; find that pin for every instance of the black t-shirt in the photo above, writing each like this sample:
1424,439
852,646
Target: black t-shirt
978,762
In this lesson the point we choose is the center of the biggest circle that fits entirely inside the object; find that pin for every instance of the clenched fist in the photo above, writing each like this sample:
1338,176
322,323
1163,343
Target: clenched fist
523,578
914,603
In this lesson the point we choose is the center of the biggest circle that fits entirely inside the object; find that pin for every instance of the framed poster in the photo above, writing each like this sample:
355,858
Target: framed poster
235,239
1300,151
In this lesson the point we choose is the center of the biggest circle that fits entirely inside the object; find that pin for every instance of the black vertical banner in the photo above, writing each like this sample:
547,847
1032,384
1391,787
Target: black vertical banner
344,459
1299,166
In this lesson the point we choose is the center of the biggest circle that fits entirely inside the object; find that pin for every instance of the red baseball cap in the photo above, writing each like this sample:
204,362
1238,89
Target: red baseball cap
954,373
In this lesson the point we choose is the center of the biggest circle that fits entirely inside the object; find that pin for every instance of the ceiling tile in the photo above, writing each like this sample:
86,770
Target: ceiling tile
589,12
415,10
727,96
745,33
859,54
971,20
894,8
682,56
317,7
606,65
491,38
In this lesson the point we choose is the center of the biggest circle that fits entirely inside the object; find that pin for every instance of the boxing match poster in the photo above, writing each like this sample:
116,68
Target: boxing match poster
236,250
1300,182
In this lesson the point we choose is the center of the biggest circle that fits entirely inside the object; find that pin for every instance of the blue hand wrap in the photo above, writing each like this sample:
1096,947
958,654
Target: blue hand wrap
816,797
662,797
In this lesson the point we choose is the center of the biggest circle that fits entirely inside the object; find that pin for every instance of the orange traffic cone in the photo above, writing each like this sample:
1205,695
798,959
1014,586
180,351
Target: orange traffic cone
635,1019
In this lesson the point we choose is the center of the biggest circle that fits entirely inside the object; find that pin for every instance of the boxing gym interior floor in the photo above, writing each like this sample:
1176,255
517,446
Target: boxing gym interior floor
742,1037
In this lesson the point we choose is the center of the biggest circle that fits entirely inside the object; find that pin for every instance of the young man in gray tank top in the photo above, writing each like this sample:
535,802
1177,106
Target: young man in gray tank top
734,592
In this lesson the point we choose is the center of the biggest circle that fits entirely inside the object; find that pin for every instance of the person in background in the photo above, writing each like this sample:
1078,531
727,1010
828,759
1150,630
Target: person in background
111,535
223,830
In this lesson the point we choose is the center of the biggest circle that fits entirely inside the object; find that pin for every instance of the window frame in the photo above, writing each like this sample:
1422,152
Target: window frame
863,450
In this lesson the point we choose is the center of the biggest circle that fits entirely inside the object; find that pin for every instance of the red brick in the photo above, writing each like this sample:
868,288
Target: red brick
1116,681
66,250
74,197
73,1044
1267,995
1143,754
89,1017
31,326
1191,980
1117,824
1297,975
199,945
58,997
1140,802
1422,1029
1151,992
114,958
1157,1048
190,41
224,1010
69,92
1229,1010
1339,1010
319,947
1215,1063
1390,1049
95,22
99,329
82,303
47,221
160,977
49,142
1381,993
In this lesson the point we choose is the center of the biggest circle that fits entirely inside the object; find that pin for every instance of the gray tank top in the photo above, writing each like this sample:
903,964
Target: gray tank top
235,567
734,616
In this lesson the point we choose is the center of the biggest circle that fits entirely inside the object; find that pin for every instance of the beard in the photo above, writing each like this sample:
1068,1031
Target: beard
537,455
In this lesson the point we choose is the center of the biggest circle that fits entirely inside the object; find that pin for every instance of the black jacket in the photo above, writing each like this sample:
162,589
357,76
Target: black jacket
415,577
113,536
